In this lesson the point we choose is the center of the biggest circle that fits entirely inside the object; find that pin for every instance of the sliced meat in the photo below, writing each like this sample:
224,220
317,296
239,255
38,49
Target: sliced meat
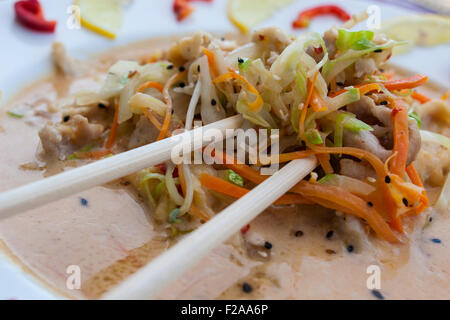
365,66
64,138
330,37
357,170
379,117
366,140
63,63
189,48
272,38
144,133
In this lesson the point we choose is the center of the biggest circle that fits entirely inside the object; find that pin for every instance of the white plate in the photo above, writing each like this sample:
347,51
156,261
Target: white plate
24,56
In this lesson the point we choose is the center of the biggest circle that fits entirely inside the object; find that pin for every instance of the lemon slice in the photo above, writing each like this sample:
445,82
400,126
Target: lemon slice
101,16
420,30
245,14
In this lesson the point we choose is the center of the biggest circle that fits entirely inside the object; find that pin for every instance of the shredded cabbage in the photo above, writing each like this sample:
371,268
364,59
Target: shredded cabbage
333,67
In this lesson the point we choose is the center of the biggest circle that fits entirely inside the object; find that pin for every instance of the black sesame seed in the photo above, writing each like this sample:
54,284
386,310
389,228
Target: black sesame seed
198,68
378,50
370,204
240,60
430,219
213,102
222,39
381,69
387,179
182,84
350,248
101,105
329,234
170,66
405,202
267,245
246,287
181,69
436,240
377,294
339,84
384,102
298,233
83,202
66,118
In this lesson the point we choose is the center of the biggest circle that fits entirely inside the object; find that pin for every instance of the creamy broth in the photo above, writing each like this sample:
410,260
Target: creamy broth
109,233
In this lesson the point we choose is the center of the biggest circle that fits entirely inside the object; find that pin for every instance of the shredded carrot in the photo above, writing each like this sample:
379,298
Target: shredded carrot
324,160
193,209
329,196
406,83
363,89
310,85
168,117
401,139
419,97
445,95
387,75
415,178
211,61
152,118
149,114
232,190
113,131
255,105
250,174
317,102
151,84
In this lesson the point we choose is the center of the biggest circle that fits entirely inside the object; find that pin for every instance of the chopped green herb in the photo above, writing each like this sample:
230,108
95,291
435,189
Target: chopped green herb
14,114
243,64
314,137
233,177
88,147
173,216
416,117
72,157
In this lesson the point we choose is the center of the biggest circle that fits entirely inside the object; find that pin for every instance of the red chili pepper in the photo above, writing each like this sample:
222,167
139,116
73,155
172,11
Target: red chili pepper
182,8
162,167
245,229
304,17
30,14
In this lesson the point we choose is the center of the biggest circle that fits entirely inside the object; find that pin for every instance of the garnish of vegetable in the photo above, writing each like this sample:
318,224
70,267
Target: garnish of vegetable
168,117
420,97
401,138
211,61
245,14
328,196
232,190
313,136
257,104
183,9
14,114
30,14
305,16
101,16
356,40
233,177
406,83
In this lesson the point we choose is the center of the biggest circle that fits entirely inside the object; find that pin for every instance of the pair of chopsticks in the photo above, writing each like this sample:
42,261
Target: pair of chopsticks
150,280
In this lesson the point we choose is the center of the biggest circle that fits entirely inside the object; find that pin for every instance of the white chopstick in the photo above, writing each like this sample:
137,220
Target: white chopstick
70,182
150,280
